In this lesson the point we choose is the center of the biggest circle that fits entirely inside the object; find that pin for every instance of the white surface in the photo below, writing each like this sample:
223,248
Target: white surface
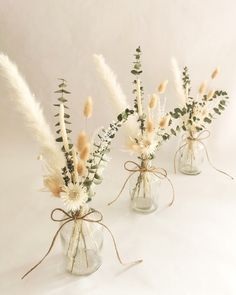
187,249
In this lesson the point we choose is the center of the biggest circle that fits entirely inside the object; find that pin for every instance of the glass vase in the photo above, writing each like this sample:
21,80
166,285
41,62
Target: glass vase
144,191
82,242
190,155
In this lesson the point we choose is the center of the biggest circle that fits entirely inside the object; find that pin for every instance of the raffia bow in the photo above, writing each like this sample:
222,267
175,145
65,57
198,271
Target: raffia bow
158,172
199,138
88,217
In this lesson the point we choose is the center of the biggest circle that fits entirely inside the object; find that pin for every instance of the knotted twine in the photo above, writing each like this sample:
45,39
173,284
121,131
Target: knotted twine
73,217
157,172
199,138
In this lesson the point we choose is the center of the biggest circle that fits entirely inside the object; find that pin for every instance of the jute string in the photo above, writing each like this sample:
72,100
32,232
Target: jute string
73,217
199,138
136,168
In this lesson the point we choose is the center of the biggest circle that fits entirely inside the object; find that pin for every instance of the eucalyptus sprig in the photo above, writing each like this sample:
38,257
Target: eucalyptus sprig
102,148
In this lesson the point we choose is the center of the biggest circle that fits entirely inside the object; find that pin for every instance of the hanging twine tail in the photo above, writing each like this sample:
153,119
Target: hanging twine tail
74,217
158,172
116,249
199,139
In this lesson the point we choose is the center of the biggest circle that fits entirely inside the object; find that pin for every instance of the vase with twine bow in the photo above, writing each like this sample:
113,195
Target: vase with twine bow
191,154
144,189
82,241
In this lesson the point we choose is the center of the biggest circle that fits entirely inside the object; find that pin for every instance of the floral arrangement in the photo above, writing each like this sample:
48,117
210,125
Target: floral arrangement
195,113
199,109
150,125
72,169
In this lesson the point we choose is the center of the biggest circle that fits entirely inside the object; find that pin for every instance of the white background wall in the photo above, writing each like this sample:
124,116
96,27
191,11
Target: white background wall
56,38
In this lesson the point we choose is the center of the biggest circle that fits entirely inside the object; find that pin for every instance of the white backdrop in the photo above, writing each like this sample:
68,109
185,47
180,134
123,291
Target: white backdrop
188,249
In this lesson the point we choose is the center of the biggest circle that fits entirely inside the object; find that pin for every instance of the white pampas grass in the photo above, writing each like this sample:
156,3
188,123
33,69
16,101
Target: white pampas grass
117,96
178,80
32,113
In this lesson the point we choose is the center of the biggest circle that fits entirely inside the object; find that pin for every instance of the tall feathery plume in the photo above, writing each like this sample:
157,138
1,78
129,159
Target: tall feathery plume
178,80
117,96
33,115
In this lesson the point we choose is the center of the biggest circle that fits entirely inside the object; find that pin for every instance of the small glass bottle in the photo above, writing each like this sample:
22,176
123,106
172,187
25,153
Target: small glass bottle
144,190
190,155
82,243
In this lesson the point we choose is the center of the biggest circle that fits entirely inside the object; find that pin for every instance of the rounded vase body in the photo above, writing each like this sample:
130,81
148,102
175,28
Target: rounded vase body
82,242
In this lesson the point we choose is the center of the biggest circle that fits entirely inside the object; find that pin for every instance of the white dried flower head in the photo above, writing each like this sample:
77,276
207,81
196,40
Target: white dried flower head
88,107
153,101
215,73
74,197
162,86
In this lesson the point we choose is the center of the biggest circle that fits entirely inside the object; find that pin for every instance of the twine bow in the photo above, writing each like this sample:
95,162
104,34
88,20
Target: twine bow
88,217
158,172
199,138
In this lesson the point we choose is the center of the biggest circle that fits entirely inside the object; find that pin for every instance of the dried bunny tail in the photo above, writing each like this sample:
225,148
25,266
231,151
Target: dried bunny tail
82,141
88,107
32,113
117,96
178,80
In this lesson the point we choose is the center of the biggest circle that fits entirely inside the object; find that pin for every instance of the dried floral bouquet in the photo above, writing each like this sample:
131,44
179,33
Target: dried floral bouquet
146,130
72,171
195,113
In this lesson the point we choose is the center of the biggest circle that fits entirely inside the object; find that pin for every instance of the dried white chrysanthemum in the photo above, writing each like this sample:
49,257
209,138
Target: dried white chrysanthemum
74,197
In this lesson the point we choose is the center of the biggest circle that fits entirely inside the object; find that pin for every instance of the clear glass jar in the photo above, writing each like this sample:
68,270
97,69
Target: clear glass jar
82,242
190,155
144,191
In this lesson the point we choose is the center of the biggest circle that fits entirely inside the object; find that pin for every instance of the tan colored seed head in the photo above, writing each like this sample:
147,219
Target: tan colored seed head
202,88
88,107
210,94
150,126
82,141
164,122
215,73
162,86
81,168
84,154
53,185
153,101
